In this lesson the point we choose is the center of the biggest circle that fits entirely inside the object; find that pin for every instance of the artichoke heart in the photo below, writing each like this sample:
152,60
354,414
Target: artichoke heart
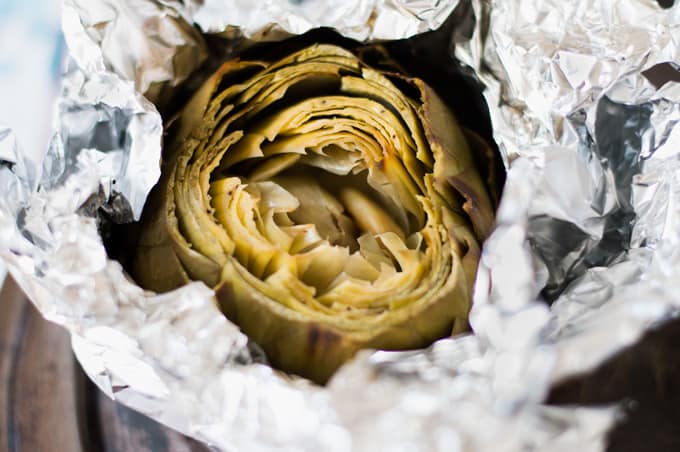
331,206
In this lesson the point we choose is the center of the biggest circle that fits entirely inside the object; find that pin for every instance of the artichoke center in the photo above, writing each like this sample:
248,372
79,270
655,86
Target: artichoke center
326,194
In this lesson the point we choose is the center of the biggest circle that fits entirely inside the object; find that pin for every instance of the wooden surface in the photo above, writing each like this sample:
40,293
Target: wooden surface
48,404
646,377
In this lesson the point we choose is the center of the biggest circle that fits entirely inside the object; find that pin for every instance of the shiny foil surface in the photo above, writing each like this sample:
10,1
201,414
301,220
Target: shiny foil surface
583,260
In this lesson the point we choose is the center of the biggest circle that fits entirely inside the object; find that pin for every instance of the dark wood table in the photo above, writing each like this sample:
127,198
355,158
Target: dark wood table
48,404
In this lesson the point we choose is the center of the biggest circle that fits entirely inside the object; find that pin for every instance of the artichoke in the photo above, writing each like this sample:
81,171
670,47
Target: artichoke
331,206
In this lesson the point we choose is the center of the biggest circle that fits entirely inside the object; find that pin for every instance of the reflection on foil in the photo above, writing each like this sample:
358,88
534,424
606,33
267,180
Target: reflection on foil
572,97
143,41
547,67
589,217
357,19
104,117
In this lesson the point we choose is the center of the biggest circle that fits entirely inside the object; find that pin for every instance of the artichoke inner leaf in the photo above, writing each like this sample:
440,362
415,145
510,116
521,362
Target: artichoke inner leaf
293,223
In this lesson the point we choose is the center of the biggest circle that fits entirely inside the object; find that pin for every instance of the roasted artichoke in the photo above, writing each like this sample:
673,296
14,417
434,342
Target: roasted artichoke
331,206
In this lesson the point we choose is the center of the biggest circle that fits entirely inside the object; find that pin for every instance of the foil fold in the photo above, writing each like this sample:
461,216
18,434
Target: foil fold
574,112
147,42
357,19
582,261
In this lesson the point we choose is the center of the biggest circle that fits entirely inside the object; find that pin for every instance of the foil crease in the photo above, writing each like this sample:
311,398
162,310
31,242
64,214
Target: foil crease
588,222
595,144
357,19
155,44
146,42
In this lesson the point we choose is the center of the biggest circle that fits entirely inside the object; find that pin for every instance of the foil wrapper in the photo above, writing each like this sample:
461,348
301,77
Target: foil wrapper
582,261
357,19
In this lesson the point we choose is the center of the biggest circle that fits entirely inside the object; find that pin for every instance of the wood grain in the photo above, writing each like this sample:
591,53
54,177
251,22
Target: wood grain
48,404
644,379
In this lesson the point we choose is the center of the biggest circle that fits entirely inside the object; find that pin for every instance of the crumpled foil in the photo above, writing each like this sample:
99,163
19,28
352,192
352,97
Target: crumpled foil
583,260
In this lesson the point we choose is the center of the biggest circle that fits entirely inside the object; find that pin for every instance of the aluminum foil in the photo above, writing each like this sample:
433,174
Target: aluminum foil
582,261
357,19
592,145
